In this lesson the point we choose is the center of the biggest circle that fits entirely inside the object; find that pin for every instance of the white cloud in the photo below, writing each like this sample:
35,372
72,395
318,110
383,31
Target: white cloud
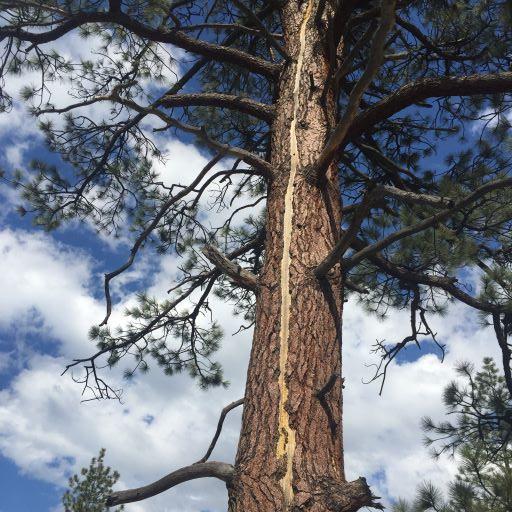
41,418
15,154
50,280
383,433
43,422
488,119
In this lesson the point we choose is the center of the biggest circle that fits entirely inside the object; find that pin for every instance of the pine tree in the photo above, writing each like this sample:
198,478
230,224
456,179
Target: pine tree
482,408
89,490
482,439
375,134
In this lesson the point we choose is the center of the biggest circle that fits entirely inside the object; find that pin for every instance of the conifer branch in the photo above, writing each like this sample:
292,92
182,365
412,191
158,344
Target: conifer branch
420,90
194,282
261,166
180,39
506,351
417,199
389,166
388,354
270,37
344,243
426,223
372,252
131,123
219,470
444,283
73,106
218,100
141,239
228,26
361,212
429,45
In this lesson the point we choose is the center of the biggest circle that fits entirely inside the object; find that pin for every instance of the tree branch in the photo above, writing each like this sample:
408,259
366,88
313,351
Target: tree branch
245,105
149,229
228,26
316,171
388,165
175,37
426,223
270,38
239,103
506,353
219,470
344,243
240,276
426,88
418,34
262,166
361,211
223,414
348,61
447,284
419,199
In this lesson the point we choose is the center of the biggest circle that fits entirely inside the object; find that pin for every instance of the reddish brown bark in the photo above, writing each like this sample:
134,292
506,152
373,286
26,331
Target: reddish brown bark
290,454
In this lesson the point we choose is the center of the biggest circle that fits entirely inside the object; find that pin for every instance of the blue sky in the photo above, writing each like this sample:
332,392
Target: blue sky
22,492
52,294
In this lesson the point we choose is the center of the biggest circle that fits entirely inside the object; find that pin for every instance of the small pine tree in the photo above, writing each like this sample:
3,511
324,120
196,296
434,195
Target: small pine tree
482,411
479,486
481,436
89,490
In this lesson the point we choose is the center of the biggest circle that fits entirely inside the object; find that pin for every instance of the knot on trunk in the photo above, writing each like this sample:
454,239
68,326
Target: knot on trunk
347,496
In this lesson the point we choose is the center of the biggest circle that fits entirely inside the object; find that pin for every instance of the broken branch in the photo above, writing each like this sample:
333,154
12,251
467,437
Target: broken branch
235,272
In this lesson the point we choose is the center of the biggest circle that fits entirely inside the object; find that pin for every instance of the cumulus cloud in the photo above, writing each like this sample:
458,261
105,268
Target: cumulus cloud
382,434
165,423
49,281
162,423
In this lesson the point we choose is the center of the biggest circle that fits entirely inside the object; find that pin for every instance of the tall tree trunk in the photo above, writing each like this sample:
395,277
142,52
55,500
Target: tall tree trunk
290,455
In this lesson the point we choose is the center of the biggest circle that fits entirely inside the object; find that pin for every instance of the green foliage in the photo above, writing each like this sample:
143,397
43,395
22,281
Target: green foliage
482,407
481,438
169,344
89,489
479,486
112,137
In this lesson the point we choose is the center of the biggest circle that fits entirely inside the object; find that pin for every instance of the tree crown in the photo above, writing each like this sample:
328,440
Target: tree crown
421,95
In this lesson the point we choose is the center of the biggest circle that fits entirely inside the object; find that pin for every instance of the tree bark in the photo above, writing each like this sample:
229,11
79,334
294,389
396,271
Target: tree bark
290,454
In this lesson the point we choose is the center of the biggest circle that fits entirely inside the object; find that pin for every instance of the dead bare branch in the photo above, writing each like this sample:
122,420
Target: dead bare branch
235,272
223,414
219,470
